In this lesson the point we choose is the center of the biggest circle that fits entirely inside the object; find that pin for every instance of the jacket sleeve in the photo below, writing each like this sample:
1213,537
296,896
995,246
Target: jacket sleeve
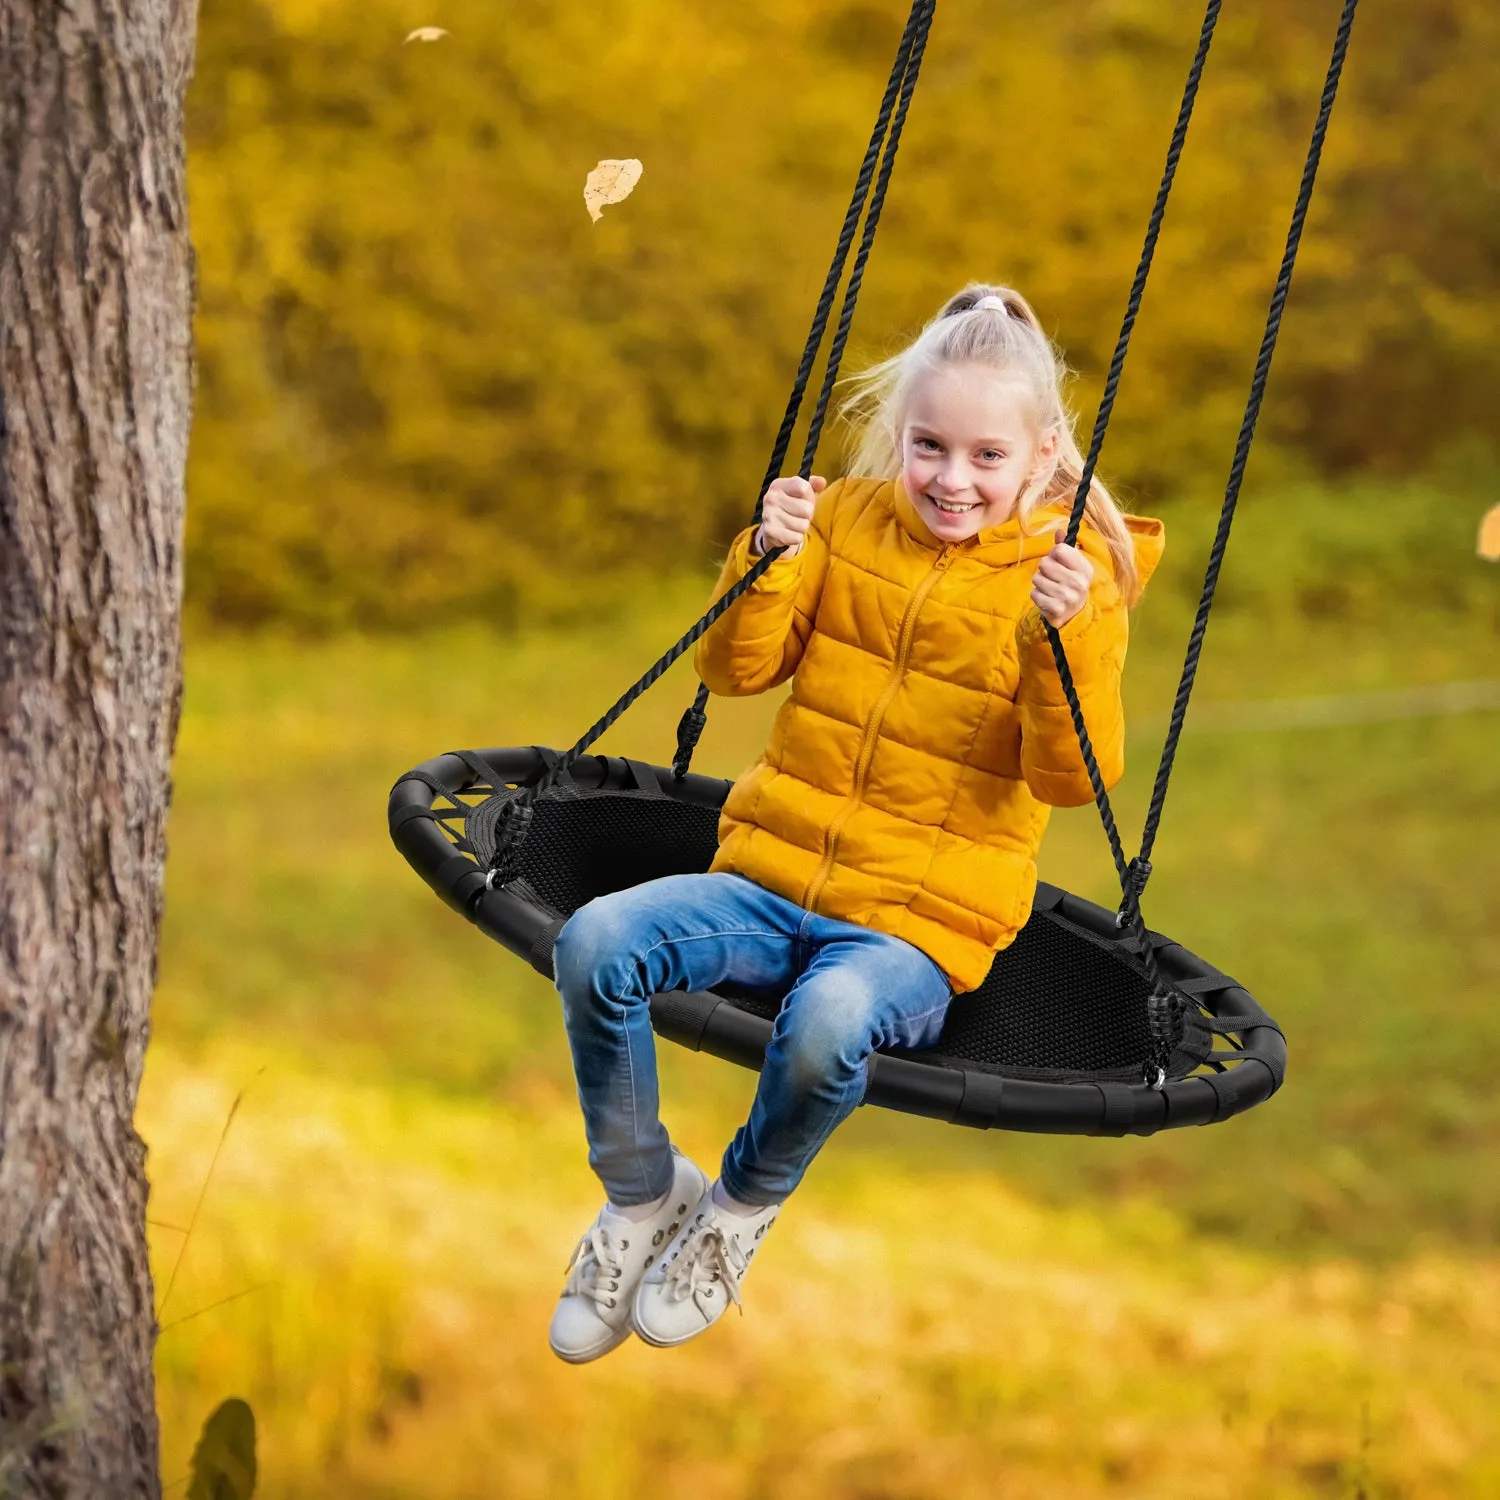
1094,642
758,642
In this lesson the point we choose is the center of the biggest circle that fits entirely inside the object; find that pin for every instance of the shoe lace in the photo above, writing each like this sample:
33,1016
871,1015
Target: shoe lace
594,1267
709,1256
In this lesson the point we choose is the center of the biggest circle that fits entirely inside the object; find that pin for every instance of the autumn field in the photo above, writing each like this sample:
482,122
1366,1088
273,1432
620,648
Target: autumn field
1303,1301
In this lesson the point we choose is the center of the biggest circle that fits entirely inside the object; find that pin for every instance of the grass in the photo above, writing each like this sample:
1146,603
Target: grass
1303,1301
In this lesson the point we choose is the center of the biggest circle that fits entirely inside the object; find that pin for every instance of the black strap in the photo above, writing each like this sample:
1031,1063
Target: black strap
644,778
542,946
433,784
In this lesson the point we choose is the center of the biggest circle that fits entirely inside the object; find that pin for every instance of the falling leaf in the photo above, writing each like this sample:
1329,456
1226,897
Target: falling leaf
610,182
224,1460
1489,536
425,34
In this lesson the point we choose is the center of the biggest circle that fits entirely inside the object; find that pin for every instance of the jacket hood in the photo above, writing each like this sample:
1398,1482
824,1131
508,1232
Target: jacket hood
1008,544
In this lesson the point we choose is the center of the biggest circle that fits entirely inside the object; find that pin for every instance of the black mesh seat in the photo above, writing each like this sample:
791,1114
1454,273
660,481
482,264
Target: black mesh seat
1053,1040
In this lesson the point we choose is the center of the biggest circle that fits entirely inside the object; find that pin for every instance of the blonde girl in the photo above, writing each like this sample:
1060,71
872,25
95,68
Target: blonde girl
882,848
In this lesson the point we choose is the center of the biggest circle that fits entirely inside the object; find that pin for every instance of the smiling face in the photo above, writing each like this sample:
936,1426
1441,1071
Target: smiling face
968,449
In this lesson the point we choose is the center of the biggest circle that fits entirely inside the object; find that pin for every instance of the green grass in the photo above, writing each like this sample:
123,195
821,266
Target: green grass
1348,876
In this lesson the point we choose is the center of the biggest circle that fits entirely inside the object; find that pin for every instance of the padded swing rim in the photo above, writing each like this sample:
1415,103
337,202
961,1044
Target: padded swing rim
708,1022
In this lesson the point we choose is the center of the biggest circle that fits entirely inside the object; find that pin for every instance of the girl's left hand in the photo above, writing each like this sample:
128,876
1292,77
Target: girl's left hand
1060,585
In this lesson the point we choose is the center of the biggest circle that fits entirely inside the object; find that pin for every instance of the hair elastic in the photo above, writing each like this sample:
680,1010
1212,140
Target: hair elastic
990,303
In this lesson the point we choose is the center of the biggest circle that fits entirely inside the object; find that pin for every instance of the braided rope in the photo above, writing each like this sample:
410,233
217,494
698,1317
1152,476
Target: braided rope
1143,266
514,816
902,80
1247,428
1165,1009
1156,1069
920,19
872,223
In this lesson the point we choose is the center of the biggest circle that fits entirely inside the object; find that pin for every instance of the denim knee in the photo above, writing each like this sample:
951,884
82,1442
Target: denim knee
594,940
829,1039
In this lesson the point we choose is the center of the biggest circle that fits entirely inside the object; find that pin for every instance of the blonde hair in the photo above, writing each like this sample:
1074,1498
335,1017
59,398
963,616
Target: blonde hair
993,326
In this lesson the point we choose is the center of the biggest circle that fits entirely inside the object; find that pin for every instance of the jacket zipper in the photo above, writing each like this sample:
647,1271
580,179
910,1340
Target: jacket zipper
872,726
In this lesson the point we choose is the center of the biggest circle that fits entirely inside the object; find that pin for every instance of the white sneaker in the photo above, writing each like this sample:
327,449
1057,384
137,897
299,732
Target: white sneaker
593,1313
699,1274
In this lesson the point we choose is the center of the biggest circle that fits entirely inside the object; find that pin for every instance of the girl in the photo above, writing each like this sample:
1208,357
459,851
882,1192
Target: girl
881,850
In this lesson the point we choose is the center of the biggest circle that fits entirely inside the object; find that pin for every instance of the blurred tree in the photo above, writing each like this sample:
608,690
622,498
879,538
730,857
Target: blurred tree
431,386
95,355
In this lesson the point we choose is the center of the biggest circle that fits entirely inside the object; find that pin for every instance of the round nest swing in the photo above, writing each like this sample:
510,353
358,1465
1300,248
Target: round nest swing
1052,1041
1089,1023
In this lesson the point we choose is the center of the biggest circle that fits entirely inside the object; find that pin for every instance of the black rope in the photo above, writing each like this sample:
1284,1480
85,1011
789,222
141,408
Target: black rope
920,19
902,82
1165,1008
872,223
1247,429
514,815
1164,1019
1143,267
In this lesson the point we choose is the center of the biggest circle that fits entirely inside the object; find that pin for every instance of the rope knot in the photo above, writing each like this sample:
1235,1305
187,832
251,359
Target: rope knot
513,819
1164,1022
1137,873
689,727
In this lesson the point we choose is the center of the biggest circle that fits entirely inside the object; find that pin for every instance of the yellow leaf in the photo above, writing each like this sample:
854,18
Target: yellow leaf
1489,535
425,34
610,182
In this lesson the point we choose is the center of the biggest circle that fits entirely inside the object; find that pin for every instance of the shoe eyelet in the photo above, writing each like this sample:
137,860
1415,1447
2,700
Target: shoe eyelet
624,1244
708,1291
611,1302
649,1259
760,1231
682,1208
673,1228
656,1238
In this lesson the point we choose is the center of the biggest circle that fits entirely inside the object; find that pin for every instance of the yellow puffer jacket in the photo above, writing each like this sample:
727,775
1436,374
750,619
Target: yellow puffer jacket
911,772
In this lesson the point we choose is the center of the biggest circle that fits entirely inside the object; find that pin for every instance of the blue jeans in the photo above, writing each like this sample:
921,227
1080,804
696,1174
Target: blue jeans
849,991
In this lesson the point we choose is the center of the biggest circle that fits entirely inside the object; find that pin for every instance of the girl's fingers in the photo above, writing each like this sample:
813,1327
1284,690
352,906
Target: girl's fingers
1058,599
1063,576
1070,559
1071,599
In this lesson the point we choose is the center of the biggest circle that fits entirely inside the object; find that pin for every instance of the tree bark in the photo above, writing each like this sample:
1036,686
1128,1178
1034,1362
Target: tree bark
95,398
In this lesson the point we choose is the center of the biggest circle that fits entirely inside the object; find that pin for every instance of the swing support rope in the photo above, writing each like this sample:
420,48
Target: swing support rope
1165,1010
515,815
1165,1007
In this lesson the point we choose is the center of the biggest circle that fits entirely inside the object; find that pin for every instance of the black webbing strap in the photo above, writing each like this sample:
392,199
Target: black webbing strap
1165,1008
541,955
512,816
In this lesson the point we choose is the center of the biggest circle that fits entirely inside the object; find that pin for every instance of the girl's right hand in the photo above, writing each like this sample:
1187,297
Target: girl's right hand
786,514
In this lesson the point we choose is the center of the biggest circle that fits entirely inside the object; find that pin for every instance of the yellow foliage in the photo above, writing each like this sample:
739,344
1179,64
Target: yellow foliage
428,386
925,1332
1302,1301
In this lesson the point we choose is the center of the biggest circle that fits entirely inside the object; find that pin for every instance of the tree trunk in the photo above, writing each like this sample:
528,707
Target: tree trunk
95,395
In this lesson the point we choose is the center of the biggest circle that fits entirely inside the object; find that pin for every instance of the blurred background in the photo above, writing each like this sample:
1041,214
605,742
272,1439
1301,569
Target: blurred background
465,462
